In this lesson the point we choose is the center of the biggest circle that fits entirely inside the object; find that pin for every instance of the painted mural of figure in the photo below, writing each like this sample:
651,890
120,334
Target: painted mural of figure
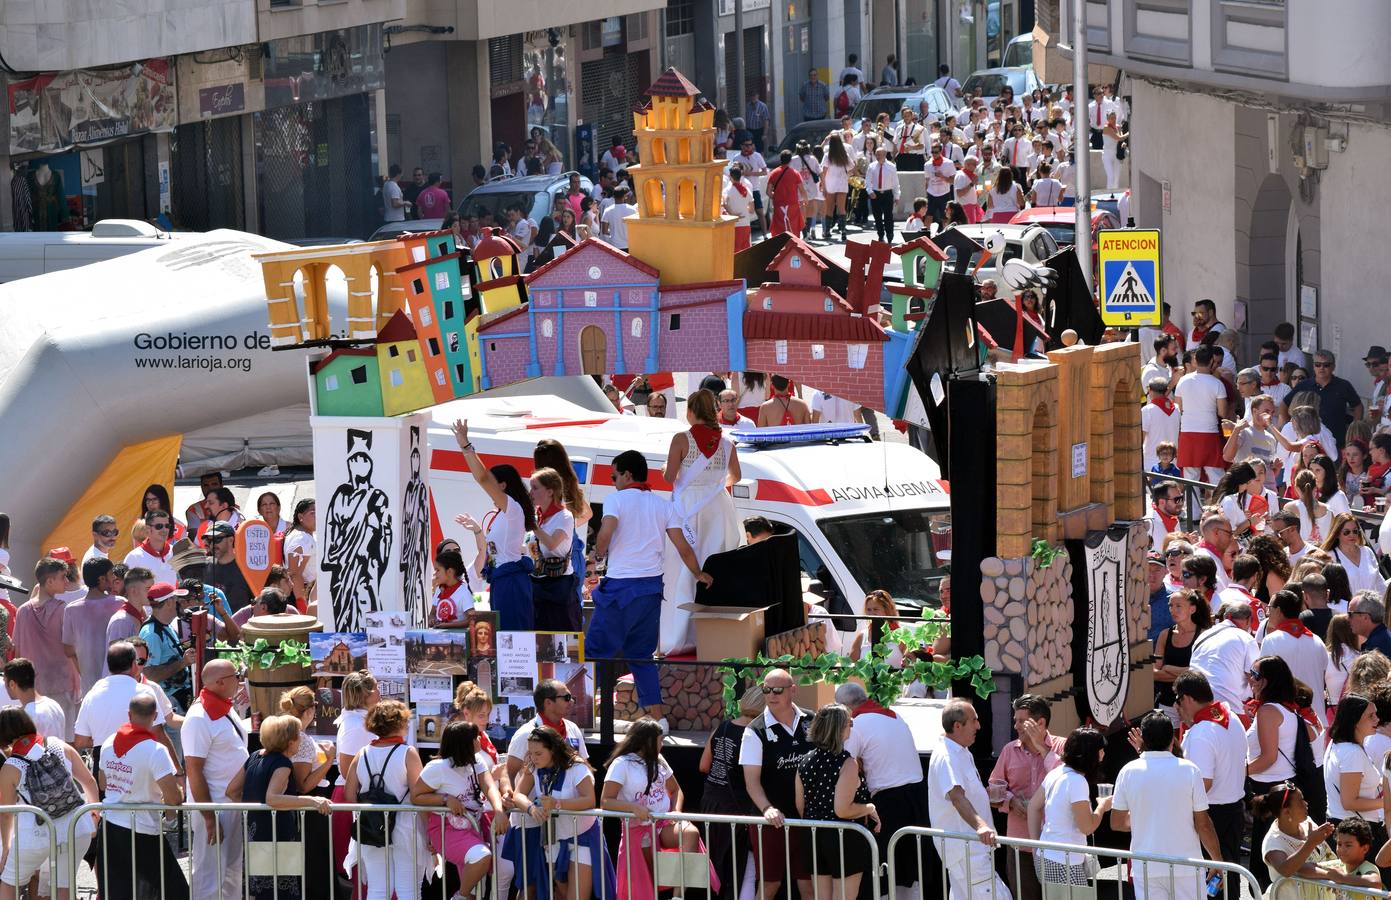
701,463
415,537
358,538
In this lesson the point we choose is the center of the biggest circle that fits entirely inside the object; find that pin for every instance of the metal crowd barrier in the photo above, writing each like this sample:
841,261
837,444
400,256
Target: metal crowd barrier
47,867
279,861
1141,870
1297,888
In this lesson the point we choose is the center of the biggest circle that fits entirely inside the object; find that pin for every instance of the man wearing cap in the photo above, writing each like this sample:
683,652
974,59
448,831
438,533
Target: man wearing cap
169,664
85,621
136,609
222,571
104,534
106,707
1160,617
38,636
155,551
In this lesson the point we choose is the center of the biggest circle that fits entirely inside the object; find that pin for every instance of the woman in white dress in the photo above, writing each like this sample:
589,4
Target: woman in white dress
1111,139
1314,517
1345,542
805,163
836,170
701,464
1005,199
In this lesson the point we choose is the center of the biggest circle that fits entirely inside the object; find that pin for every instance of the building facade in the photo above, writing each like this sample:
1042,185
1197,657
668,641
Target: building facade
1255,128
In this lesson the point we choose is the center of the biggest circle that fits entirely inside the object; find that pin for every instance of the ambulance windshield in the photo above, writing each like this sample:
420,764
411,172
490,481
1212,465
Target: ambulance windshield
894,551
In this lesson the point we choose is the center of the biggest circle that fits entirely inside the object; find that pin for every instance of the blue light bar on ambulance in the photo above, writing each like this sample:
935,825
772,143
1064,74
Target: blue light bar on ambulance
799,434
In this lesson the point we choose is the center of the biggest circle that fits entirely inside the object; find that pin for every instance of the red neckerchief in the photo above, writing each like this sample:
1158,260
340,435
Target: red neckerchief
733,421
1170,522
23,745
639,486
739,186
447,592
558,725
168,549
485,744
1216,554
544,514
970,176
1165,404
870,706
388,741
127,736
134,611
213,705
1198,334
1257,607
707,438
1377,471
1292,627
1214,712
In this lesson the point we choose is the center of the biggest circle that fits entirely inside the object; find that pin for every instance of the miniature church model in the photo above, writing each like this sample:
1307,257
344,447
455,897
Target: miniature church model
679,229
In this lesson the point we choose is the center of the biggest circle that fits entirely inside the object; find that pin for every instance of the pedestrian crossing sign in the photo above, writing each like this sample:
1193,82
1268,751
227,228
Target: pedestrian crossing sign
1128,263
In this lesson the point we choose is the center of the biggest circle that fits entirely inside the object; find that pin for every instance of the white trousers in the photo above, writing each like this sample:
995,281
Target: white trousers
973,877
217,868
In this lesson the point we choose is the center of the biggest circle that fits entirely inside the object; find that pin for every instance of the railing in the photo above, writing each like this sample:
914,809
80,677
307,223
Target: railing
280,861
1297,888
966,876
1197,494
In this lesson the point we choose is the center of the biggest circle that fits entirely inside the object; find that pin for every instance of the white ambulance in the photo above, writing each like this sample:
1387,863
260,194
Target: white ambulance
867,515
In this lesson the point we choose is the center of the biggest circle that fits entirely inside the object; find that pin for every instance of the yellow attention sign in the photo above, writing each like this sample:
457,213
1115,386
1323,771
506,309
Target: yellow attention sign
1128,261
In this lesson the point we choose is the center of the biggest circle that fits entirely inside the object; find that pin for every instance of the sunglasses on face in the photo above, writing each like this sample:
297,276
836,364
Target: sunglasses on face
1349,532
1253,675
775,691
109,533
1269,369
162,527
566,697
1323,365
1173,553
142,660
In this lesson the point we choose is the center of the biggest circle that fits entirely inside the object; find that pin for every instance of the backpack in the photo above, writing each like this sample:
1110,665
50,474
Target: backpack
374,826
1307,774
843,103
49,784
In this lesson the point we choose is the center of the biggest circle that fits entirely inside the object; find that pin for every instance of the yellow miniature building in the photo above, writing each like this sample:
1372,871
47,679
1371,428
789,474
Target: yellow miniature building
679,229
405,382
497,277
369,271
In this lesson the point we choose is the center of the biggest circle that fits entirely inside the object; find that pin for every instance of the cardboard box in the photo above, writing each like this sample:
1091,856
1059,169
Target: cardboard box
727,632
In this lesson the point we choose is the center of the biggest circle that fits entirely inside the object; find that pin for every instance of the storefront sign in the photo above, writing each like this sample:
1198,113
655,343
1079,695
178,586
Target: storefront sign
727,6
54,112
221,100
324,65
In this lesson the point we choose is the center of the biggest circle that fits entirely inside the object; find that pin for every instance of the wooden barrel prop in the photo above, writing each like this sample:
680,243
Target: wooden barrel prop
266,685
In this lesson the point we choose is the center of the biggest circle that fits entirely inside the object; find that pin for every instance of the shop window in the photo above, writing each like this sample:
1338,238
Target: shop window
359,375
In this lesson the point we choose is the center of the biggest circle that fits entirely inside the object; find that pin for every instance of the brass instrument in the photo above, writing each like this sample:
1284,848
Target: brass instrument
857,184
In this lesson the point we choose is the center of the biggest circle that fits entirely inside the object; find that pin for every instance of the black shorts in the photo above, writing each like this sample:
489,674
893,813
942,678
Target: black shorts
757,200
937,205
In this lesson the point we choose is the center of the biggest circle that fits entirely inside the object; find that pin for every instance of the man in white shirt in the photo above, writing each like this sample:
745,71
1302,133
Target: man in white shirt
1288,638
830,409
908,142
1240,588
1215,536
46,713
738,201
155,552
105,707
1213,740
1225,653
628,601
1202,403
851,68
1204,320
104,534
1166,502
1161,801
1289,350
964,185
1159,422
136,768
772,746
881,186
957,802
1097,111
393,201
948,83
214,742
941,181
729,417
1164,363
1270,383
615,229
1018,153
883,743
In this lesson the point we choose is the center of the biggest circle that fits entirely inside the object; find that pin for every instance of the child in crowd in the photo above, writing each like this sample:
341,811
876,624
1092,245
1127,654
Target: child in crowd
1354,842
918,220
1167,453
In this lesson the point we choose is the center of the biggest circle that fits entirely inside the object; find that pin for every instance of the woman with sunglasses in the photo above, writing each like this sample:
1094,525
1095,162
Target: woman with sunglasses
1176,550
1271,739
1200,576
1173,648
1349,549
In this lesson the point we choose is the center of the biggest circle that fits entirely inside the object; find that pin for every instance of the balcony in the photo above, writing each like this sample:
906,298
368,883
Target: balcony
59,35
1330,51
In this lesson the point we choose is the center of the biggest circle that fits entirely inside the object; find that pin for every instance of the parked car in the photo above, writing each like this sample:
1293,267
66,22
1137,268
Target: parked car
537,193
1061,221
813,131
1019,52
395,229
989,84
891,99
1109,201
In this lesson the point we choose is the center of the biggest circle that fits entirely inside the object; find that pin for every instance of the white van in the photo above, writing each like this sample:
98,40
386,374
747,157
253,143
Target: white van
867,515
27,253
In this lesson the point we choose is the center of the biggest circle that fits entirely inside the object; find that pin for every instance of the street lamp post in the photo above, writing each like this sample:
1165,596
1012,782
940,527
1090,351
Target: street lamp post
1081,152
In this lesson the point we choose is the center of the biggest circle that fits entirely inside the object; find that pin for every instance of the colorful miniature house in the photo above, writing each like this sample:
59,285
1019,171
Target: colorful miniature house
435,298
805,331
405,384
369,270
679,228
497,277
347,382
922,263
597,310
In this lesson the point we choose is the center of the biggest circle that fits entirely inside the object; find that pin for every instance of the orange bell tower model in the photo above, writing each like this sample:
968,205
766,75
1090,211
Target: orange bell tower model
679,229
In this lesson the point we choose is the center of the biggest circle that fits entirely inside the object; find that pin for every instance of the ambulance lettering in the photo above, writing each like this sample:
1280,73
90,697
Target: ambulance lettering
877,492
